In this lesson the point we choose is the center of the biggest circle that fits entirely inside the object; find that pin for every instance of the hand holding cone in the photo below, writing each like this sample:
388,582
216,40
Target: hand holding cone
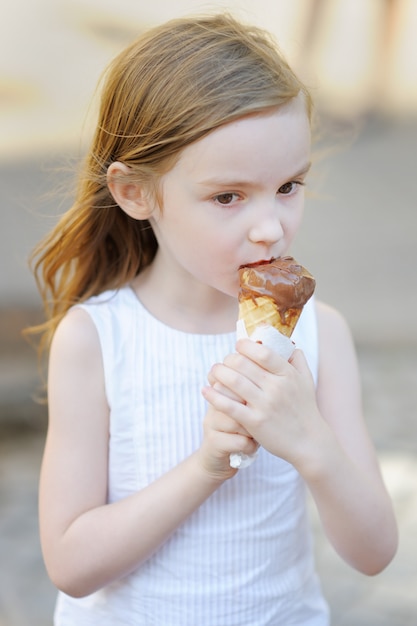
272,294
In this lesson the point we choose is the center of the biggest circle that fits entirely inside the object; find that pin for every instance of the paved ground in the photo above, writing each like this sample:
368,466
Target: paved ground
368,207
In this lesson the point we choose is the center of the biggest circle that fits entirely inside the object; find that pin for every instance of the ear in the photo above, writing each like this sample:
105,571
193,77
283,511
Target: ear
130,196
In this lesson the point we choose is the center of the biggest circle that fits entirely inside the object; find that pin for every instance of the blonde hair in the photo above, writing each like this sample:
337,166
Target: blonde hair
169,88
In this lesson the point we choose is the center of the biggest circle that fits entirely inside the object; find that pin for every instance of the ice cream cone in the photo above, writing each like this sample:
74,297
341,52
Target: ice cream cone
263,311
271,298
274,294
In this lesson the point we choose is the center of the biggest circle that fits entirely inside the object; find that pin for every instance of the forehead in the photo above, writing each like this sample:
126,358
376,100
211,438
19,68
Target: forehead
272,139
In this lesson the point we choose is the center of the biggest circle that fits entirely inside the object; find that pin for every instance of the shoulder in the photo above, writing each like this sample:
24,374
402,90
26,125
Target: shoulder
77,398
76,333
113,313
333,330
85,325
330,319
75,357
338,365
94,342
336,345
108,302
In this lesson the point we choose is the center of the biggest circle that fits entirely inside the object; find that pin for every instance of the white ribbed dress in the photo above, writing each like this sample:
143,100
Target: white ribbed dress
244,558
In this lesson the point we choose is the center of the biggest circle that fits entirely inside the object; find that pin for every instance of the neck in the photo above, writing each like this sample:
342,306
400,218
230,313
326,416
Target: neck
195,308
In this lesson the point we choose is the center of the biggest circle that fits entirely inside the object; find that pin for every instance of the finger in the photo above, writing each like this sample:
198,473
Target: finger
227,380
299,362
249,447
239,373
221,402
210,377
227,392
220,387
235,443
237,376
223,423
263,356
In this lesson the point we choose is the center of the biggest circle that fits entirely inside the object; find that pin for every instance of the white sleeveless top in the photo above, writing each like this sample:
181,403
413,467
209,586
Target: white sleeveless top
244,558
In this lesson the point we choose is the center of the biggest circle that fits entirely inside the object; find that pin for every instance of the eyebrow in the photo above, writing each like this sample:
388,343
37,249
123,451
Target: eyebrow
220,182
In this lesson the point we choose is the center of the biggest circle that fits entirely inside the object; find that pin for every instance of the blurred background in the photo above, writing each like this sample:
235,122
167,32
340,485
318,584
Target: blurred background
359,238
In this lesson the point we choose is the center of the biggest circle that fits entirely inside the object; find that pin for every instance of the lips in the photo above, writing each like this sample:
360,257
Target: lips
258,263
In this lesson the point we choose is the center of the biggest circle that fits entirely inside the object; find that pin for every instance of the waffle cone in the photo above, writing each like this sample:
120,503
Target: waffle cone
263,311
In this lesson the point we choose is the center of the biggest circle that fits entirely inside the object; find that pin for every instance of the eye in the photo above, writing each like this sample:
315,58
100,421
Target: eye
289,188
225,198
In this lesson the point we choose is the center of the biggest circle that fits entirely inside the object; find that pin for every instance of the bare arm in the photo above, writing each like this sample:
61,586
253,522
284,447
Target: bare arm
86,542
323,435
347,486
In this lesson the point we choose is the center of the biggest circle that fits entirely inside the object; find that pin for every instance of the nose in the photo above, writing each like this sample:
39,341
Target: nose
267,228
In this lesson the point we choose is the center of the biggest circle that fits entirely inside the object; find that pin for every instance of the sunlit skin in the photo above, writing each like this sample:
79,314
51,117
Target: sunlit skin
236,196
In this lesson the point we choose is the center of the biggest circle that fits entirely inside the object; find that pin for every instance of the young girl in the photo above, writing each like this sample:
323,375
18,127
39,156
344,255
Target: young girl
197,166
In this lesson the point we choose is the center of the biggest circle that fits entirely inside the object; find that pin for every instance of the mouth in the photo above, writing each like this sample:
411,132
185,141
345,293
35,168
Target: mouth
258,263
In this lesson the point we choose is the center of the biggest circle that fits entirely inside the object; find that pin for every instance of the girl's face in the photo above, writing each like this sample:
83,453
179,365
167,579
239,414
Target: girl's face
234,197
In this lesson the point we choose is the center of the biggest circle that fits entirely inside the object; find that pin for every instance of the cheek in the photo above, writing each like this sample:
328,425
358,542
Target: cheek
216,251
207,245
214,238
294,220
215,254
